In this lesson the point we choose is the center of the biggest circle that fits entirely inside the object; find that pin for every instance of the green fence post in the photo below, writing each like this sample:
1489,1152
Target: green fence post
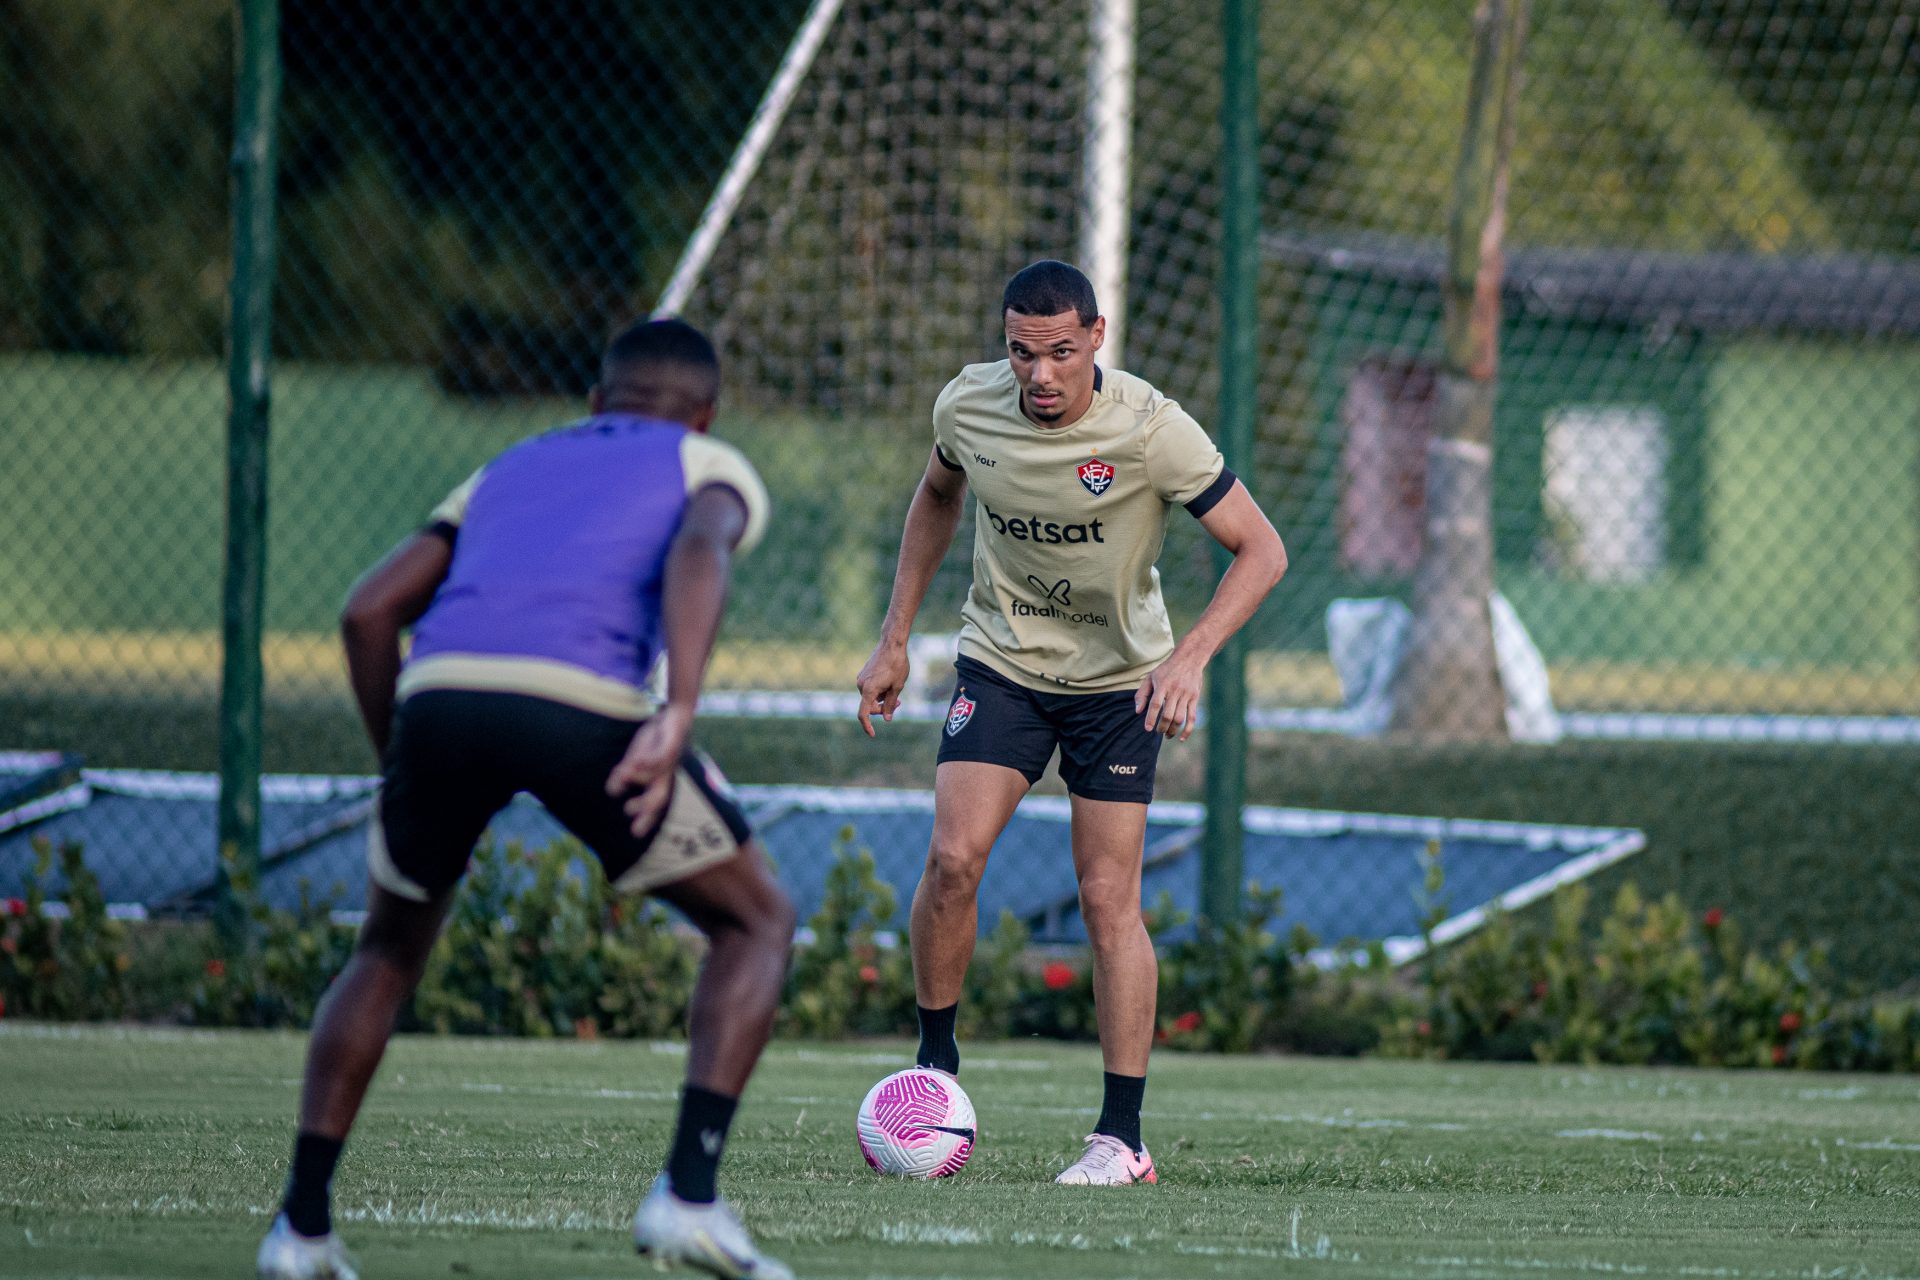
250,351
1221,871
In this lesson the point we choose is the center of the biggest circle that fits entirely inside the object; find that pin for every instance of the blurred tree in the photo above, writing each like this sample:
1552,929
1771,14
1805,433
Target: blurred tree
113,174
1842,79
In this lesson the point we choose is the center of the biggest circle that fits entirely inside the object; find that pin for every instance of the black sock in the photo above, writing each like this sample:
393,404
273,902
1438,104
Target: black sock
705,1117
309,1200
1120,1111
938,1048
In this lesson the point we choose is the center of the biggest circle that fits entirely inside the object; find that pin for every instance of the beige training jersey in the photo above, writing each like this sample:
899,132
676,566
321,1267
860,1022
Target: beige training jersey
1068,524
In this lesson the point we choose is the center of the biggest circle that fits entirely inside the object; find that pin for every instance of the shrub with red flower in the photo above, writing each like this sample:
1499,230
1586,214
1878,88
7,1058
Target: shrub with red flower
1713,918
1779,1055
1789,1022
1187,1022
216,968
869,974
1057,976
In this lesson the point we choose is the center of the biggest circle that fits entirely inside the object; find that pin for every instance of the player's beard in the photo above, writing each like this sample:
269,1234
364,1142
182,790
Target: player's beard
1058,409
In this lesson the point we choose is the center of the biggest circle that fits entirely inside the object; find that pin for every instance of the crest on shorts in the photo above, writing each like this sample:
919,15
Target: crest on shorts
1096,475
961,713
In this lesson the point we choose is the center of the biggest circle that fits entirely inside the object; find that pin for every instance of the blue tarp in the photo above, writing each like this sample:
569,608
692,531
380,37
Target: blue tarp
150,839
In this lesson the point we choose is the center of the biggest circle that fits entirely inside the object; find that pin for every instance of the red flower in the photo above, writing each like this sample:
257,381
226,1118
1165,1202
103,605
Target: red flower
1189,1021
1789,1022
1713,918
1423,1028
1779,1054
1540,989
216,968
9,946
1160,1035
16,907
1057,976
869,974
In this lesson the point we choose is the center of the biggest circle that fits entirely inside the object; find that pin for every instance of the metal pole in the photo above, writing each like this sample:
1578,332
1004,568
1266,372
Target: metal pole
1106,176
745,163
1221,874
250,349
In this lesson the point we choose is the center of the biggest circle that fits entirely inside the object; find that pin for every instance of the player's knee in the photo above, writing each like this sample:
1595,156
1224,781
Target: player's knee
1110,908
395,958
954,867
777,920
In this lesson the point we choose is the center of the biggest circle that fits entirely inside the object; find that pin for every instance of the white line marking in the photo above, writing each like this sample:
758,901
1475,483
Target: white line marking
1616,1135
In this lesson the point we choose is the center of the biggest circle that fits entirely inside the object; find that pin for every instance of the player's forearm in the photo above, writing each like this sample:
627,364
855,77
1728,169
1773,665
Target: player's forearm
694,598
372,645
1255,571
931,523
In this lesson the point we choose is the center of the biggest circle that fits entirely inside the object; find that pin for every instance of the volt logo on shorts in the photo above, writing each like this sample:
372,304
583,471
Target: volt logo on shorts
1035,529
1096,475
1124,770
960,713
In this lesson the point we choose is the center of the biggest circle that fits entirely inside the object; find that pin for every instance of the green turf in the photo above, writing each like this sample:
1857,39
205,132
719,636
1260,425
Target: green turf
153,1153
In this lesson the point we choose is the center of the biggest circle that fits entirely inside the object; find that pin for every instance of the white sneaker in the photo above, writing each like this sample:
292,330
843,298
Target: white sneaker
1108,1162
287,1255
706,1237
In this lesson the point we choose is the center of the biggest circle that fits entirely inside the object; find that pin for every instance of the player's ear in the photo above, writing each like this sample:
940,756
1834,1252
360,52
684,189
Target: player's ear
702,418
1099,331
596,400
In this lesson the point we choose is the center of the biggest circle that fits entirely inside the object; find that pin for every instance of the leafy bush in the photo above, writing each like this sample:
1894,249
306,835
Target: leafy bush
1653,984
69,964
532,949
278,980
844,982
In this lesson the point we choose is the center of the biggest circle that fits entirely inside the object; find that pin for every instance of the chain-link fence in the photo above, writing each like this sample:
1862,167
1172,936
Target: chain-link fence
1706,490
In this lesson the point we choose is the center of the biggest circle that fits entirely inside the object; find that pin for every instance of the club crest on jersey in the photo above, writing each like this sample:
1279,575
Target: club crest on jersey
961,713
1096,475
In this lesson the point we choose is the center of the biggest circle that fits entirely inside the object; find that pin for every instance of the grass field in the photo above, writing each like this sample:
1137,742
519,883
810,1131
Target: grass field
133,1153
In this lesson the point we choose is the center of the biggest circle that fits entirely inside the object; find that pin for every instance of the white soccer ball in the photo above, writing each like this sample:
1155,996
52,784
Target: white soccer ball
916,1124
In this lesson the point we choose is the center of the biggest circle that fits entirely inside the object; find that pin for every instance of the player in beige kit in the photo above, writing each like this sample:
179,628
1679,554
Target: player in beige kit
1065,644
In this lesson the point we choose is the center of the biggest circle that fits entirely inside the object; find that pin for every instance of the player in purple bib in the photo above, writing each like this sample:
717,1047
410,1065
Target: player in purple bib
541,594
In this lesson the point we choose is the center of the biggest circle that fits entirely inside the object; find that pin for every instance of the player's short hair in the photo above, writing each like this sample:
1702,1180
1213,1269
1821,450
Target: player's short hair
662,342
1047,288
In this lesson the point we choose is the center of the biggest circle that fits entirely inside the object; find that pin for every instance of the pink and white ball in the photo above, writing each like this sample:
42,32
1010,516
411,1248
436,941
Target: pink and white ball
916,1124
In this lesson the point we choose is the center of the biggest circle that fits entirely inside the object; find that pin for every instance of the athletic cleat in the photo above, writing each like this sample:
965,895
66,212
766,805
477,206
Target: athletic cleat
706,1237
287,1255
1108,1162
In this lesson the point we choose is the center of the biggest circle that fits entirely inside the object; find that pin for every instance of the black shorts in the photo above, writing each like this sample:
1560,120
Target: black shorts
1106,753
459,756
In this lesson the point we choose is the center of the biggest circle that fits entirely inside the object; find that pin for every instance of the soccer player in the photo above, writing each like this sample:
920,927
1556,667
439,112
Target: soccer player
1065,644
540,594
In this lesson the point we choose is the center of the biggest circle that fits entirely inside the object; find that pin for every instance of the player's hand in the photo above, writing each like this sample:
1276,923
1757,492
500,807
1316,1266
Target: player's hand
1170,696
645,774
880,683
